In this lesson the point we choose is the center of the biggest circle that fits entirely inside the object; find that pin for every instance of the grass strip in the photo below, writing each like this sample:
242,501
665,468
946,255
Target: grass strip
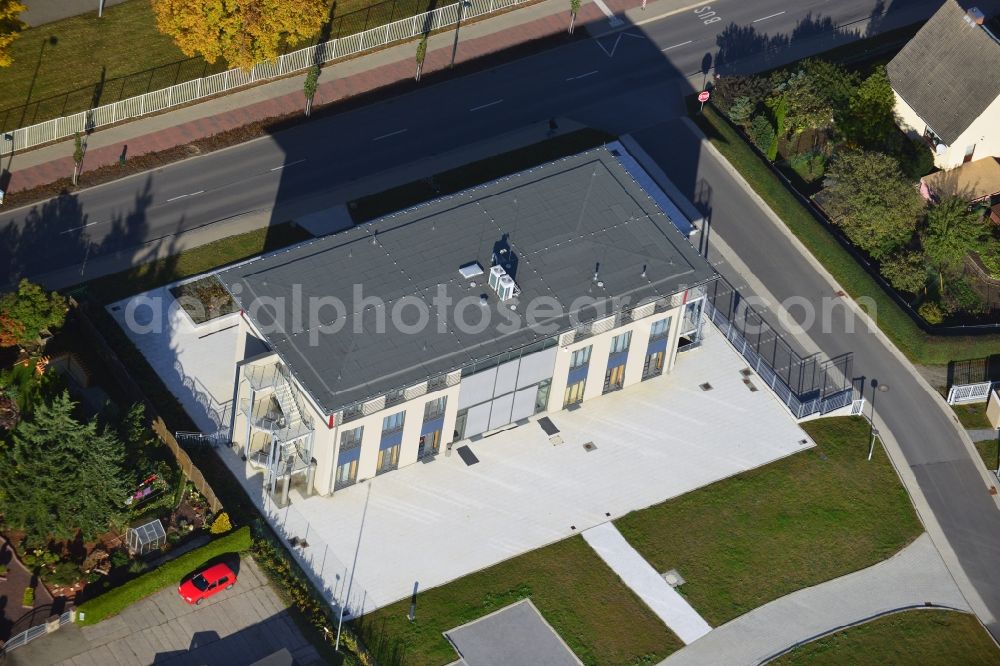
116,600
601,620
747,540
938,637
918,346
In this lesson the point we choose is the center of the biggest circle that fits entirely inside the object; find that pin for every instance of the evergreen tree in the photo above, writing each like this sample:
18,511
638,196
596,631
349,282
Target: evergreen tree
59,476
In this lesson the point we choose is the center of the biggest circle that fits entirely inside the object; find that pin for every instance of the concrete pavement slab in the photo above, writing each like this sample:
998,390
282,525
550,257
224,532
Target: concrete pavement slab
516,634
646,582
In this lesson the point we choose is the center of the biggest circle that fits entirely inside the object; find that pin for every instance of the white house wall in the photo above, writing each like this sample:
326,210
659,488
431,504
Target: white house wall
983,133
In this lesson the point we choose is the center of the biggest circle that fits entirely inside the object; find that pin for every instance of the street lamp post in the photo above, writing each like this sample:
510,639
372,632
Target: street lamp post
872,431
458,26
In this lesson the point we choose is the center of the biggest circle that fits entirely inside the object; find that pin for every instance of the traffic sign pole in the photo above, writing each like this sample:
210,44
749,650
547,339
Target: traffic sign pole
703,97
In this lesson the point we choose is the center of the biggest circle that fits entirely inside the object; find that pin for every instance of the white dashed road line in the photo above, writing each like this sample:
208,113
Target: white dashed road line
386,136
676,45
764,18
181,196
279,168
582,76
486,106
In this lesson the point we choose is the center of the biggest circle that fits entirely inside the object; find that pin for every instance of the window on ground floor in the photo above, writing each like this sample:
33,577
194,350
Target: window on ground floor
463,415
574,393
542,397
654,365
429,444
347,474
614,378
388,459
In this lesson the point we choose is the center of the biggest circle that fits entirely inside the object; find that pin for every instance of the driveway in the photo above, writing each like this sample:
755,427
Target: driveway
240,626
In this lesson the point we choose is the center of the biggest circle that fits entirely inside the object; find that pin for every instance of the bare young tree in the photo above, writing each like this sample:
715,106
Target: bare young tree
421,54
309,87
77,156
574,9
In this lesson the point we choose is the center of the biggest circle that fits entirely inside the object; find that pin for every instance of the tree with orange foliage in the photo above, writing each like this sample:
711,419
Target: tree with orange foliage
25,313
241,32
10,26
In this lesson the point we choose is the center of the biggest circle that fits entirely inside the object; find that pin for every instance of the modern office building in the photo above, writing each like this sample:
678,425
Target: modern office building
392,341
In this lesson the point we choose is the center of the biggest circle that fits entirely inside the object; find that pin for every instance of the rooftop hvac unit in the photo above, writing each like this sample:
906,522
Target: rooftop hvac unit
495,274
507,288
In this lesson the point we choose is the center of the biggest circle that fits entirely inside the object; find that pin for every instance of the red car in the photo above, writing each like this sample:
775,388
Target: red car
207,582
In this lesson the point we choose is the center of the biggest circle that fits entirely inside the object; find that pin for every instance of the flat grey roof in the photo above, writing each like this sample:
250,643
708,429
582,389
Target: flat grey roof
561,222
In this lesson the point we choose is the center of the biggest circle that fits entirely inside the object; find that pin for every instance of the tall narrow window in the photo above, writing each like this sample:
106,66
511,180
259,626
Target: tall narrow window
351,439
580,357
435,408
347,474
574,393
620,343
542,397
659,329
393,422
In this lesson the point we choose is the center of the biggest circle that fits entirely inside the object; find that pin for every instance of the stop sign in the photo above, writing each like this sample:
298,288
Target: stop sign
703,96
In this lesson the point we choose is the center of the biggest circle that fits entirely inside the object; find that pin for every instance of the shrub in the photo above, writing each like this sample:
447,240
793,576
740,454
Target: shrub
906,271
119,558
3,570
762,132
221,524
741,110
29,597
810,166
931,312
916,159
63,573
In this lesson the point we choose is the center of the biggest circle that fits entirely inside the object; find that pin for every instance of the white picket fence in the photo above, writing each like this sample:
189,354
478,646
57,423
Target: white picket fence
960,394
190,91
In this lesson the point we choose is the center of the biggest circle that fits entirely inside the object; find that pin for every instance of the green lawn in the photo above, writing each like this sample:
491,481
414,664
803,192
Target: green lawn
918,346
601,620
972,415
987,449
121,45
126,51
914,637
747,540
111,288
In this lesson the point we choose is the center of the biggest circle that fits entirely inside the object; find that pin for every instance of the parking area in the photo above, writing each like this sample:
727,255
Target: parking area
238,626
517,634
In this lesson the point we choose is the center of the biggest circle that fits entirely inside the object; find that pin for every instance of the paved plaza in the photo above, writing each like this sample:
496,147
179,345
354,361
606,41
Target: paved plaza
433,522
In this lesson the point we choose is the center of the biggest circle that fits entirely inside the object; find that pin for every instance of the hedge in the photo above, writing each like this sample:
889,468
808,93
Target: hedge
170,573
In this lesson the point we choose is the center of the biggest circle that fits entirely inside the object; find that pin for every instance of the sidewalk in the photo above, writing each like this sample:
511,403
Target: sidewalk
913,577
350,78
643,579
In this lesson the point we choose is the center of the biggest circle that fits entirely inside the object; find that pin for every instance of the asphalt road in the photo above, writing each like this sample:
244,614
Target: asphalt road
947,475
621,82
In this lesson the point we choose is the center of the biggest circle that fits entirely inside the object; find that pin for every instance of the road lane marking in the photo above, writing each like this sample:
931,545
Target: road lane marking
486,106
676,45
613,20
279,168
767,17
82,226
582,76
181,196
386,136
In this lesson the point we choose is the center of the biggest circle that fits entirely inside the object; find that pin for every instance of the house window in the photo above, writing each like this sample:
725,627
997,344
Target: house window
388,459
574,393
435,408
393,422
620,343
614,378
659,329
347,474
654,365
580,357
429,444
542,397
351,439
